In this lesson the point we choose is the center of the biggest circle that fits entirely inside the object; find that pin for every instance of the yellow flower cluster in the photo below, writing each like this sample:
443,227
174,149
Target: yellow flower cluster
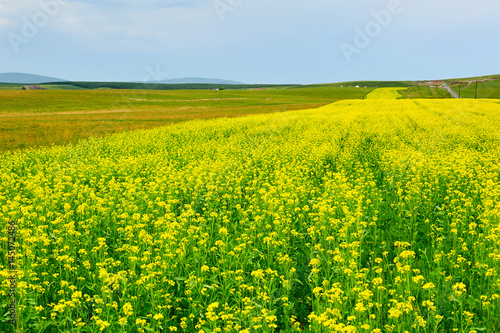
376,215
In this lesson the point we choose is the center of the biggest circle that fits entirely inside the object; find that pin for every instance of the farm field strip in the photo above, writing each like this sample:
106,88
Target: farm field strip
373,215
386,93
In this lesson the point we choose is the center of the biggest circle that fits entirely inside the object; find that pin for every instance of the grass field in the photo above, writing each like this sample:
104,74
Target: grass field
485,89
9,86
421,91
43,118
374,215
487,86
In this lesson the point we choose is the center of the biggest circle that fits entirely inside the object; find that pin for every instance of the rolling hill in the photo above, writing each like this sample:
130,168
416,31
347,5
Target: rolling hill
26,78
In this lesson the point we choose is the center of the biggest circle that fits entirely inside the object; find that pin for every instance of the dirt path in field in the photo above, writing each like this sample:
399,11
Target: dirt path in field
62,113
483,80
188,100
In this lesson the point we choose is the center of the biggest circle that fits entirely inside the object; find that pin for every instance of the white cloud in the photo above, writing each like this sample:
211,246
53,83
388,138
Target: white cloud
124,29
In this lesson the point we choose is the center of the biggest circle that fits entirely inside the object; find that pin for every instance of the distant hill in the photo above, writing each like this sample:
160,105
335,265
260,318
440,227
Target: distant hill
152,86
196,80
27,78
487,77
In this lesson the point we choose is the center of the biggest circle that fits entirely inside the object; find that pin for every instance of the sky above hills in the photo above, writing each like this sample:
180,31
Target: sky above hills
253,41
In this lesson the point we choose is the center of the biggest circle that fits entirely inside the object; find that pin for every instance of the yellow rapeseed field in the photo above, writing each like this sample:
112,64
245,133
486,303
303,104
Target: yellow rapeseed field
376,215
385,93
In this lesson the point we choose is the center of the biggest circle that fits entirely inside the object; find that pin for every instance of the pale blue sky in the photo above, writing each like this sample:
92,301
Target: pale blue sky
253,41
